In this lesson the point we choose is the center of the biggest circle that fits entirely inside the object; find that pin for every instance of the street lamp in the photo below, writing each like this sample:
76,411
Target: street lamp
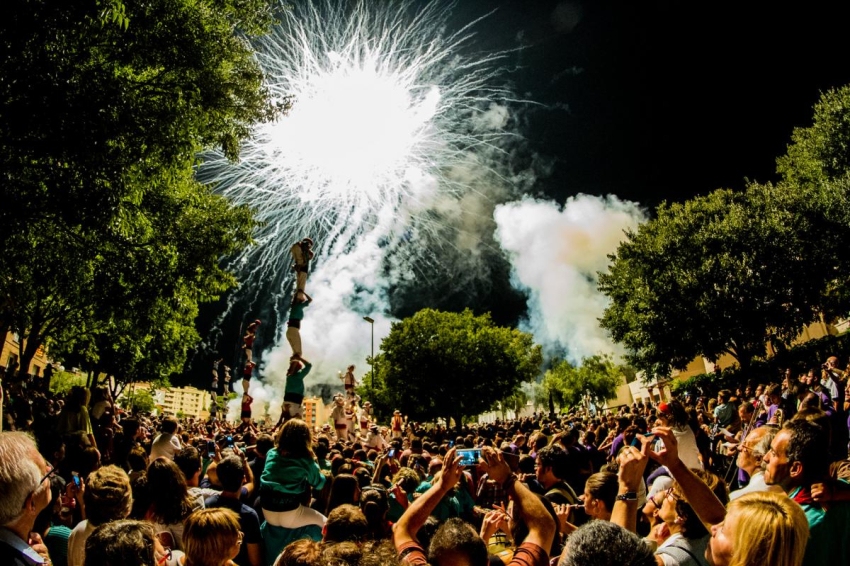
371,321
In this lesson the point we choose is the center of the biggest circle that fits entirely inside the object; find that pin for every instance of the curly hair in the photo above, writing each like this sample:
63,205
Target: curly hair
122,543
407,478
108,496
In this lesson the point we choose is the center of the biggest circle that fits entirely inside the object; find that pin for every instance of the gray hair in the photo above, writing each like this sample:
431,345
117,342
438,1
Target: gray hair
19,474
762,447
605,544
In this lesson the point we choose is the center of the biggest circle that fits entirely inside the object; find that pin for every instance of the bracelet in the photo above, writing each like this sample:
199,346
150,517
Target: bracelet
628,496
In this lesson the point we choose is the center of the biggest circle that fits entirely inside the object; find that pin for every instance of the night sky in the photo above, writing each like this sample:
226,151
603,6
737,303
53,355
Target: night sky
661,101
649,101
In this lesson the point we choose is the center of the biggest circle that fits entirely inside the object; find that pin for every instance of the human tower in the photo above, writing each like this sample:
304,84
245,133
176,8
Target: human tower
347,414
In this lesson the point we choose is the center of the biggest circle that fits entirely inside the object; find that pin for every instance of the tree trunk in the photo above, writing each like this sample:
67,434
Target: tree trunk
551,406
458,423
28,348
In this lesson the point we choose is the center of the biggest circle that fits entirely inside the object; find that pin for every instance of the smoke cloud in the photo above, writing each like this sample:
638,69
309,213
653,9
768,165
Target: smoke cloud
555,253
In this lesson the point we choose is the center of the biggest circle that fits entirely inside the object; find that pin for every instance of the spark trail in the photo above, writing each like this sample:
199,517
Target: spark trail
386,101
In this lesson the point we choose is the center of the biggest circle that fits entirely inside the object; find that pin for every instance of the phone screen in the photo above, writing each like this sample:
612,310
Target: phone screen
391,453
76,480
211,448
469,456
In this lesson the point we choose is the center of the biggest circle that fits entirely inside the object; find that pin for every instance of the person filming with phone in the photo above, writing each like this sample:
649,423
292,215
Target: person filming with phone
456,542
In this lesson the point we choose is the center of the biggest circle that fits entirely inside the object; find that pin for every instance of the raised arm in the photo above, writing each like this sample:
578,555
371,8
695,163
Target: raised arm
702,500
415,516
632,463
541,526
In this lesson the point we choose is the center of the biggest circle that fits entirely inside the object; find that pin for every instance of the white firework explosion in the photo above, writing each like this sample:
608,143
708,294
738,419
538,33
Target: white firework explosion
385,100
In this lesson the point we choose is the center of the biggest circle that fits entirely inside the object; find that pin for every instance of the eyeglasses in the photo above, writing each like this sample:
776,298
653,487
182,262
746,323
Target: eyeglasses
672,496
49,474
165,557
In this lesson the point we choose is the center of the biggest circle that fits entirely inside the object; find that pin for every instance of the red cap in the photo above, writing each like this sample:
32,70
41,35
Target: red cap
665,408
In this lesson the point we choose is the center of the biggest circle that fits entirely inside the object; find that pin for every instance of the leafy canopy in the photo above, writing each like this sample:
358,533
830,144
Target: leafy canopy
443,364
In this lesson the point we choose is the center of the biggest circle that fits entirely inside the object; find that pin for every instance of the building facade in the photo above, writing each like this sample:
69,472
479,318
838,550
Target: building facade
188,401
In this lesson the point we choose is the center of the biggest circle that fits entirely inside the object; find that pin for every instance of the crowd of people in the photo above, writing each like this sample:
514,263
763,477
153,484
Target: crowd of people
749,476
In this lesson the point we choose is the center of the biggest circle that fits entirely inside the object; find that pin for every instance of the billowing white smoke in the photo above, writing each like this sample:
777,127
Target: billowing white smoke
556,252
334,334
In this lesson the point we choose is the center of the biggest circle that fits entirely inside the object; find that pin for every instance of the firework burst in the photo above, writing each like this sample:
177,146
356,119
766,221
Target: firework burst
385,99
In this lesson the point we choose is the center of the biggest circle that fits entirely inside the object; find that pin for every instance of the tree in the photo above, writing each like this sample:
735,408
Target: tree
139,401
453,365
595,380
103,110
722,273
816,186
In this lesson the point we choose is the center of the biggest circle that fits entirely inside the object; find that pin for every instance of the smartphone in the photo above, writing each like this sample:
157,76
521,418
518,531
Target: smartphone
230,441
391,453
469,456
451,443
77,482
211,448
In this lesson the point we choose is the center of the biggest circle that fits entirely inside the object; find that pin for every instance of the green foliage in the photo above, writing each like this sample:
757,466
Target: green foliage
595,380
452,365
820,153
731,272
109,242
63,381
138,401
723,273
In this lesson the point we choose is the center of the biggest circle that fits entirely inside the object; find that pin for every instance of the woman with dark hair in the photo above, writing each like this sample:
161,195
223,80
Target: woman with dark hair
600,492
345,489
170,500
375,503
289,474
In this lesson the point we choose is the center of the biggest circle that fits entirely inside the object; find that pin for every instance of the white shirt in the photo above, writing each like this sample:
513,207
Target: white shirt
77,543
165,446
688,451
756,484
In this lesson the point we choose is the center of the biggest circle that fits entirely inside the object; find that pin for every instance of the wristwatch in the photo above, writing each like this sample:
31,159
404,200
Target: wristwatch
628,496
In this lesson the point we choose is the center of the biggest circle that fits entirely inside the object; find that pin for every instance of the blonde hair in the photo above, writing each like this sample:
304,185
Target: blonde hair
209,536
771,529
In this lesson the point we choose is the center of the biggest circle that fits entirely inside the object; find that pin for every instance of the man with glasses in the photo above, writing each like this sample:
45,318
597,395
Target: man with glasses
751,453
24,492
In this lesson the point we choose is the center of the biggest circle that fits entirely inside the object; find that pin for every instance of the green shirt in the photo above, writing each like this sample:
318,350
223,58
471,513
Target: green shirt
828,533
295,382
296,312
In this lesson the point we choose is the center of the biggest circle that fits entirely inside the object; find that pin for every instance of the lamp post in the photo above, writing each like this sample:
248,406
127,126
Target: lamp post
371,321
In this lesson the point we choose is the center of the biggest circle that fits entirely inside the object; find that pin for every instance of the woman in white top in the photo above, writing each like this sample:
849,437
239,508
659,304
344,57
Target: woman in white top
673,415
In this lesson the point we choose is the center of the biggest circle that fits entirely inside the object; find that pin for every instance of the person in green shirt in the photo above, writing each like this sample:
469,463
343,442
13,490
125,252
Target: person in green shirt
293,393
799,458
296,314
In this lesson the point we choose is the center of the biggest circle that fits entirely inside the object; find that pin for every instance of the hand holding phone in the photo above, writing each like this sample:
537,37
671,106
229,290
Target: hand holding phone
469,456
